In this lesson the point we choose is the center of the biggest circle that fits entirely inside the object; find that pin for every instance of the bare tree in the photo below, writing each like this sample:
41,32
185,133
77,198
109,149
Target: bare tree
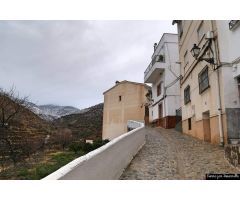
11,105
63,137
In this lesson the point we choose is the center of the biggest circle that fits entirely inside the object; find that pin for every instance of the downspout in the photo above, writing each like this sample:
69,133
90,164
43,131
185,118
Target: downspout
164,103
219,105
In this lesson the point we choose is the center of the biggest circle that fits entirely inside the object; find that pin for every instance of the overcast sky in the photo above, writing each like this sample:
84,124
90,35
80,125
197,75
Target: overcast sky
74,62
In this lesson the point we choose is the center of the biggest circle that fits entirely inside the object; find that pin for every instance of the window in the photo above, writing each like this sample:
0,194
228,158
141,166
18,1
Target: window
238,82
160,111
233,24
185,57
120,98
203,80
158,58
180,28
146,111
200,32
187,98
159,89
189,124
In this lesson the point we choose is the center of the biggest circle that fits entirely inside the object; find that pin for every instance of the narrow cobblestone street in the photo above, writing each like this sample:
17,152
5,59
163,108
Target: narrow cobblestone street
169,154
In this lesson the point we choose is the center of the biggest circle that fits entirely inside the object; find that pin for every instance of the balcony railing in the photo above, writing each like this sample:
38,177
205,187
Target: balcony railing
154,68
156,58
106,162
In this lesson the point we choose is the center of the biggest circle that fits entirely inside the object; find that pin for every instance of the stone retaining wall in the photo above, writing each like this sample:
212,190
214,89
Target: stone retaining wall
232,154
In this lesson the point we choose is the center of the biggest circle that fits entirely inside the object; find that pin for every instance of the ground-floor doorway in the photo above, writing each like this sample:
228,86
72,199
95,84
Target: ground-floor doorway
206,126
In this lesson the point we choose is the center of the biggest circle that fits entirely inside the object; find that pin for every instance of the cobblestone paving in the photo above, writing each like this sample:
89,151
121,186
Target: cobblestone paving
169,154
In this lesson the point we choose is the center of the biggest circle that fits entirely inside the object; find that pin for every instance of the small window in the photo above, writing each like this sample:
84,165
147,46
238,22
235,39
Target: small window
185,58
203,80
234,24
200,32
120,98
189,124
158,58
187,98
159,89
238,82
160,111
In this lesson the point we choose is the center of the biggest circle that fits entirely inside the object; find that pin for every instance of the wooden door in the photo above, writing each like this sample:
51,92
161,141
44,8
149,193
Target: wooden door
206,127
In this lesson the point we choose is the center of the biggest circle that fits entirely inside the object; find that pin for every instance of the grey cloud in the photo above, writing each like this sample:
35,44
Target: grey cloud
74,62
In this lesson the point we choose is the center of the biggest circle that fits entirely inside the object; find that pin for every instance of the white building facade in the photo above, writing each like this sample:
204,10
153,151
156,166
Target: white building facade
210,79
229,55
164,73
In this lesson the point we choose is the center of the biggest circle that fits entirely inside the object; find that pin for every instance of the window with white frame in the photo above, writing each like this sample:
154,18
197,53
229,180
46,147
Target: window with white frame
159,89
185,57
187,97
200,32
203,80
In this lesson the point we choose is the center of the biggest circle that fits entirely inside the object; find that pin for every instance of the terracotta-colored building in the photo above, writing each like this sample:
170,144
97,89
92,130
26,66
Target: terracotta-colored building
124,101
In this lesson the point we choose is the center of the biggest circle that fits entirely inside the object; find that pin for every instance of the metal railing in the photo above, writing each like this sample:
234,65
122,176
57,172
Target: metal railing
148,69
156,58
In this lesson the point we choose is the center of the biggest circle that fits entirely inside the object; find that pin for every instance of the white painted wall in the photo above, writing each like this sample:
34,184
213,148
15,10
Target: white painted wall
169,45
134,124
105,163
229,49
229,41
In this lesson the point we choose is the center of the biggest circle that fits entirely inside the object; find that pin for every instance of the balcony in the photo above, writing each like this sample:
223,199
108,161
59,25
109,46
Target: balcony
154,69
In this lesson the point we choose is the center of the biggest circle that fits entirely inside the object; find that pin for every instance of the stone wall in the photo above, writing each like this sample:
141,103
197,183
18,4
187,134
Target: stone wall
232,154
233,123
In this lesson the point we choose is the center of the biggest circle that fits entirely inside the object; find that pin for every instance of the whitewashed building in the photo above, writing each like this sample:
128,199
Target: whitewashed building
210,78
163,73
229,55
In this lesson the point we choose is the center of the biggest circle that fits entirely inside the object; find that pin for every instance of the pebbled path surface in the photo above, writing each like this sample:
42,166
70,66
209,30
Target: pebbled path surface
169,154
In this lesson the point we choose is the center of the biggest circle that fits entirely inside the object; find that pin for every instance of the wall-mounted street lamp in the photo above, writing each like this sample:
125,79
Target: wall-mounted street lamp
195,51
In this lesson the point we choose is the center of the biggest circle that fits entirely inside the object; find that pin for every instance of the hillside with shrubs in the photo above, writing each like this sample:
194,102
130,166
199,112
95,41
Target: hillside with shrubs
32,148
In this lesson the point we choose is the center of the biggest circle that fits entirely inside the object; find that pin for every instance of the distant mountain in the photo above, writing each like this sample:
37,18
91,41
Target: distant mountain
50,112
87,124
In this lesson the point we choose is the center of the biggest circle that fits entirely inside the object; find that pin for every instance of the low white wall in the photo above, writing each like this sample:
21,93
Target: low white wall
106,162
134,124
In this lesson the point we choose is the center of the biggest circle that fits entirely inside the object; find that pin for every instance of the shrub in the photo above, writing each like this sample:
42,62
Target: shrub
45,169
98,143
83,148
87,147
58,160
75,147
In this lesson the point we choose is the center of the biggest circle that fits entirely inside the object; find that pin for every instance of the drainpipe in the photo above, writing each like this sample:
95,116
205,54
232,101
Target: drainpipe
164,99
219,106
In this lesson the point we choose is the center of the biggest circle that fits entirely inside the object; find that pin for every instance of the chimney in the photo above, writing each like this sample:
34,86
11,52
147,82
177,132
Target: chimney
155,46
